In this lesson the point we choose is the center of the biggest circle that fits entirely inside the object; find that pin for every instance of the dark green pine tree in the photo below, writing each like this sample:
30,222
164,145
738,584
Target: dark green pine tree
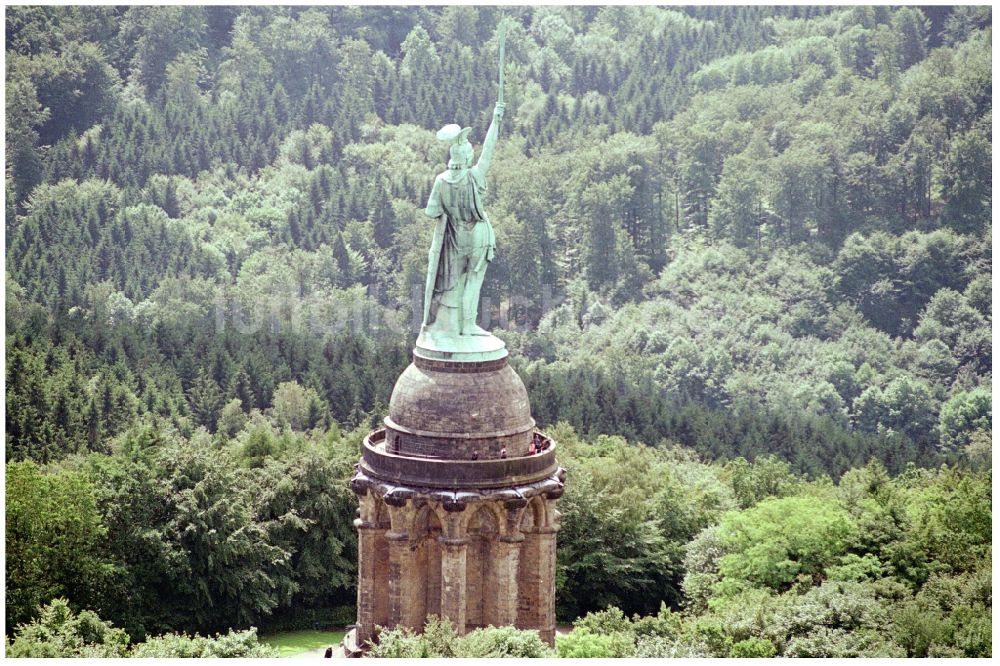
382,219
206,400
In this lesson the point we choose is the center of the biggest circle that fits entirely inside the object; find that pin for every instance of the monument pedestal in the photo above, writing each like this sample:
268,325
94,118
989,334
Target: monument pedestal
459,348
449,485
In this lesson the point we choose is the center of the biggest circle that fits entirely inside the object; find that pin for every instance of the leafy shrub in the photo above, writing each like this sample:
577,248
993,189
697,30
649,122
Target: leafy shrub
440,640
440,637
659,647
399,643
854,568
664,624
612,620
608,621
502,642
59,632
233,644
753,647
840,643
835,605
711,633
624,633
581,643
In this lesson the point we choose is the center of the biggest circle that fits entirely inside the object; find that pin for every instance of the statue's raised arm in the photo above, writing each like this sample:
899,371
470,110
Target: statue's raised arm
490,142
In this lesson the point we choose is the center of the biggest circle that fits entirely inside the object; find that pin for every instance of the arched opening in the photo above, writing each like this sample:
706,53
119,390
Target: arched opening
534,513
529,573
428,561
480,581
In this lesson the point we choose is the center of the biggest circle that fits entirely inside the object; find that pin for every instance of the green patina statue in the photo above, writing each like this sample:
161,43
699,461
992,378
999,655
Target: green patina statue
463,243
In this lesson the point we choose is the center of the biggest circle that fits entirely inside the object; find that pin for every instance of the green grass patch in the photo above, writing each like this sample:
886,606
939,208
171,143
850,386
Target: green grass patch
292,643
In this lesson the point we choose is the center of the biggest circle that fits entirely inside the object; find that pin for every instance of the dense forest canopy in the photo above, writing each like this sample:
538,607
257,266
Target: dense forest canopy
751,238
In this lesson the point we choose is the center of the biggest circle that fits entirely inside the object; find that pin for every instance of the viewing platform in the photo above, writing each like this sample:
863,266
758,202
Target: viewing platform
379,462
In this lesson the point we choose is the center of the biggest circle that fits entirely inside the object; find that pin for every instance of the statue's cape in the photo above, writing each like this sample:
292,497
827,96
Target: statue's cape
433,261
434,209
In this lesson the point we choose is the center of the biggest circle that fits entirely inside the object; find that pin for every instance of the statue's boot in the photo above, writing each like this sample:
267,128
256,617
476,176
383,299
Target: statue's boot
470,327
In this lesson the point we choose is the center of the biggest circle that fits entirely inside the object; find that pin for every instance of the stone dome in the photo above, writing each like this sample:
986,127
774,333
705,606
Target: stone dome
459,410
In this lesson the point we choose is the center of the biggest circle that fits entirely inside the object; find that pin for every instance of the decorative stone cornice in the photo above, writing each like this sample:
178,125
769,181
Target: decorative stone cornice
513,497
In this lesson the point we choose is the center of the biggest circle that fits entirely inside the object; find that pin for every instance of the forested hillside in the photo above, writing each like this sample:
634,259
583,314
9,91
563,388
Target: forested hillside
730,234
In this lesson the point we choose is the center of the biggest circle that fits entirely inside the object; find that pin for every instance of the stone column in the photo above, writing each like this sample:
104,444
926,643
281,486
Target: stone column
404,583
453,553
528,577
504,557
547,583
366,580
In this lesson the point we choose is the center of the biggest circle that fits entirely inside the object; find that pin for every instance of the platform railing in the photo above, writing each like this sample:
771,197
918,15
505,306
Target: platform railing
418,447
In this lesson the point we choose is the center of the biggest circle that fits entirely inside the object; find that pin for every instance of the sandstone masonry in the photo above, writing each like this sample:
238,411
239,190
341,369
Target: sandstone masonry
446,525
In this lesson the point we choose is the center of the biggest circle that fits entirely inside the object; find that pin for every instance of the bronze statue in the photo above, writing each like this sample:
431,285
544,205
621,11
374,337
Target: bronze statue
463,243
